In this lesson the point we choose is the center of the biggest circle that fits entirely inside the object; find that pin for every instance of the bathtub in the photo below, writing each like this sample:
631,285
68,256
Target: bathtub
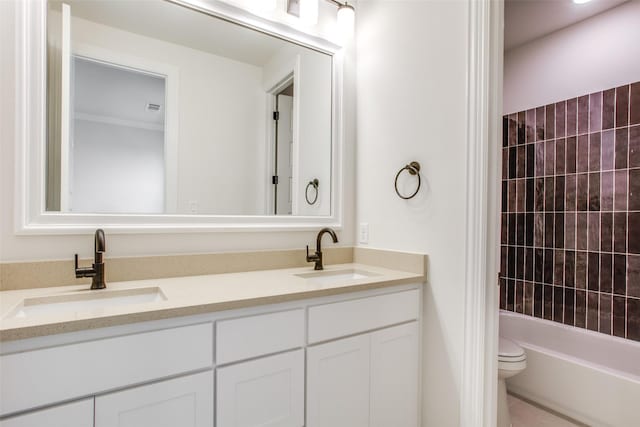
591,377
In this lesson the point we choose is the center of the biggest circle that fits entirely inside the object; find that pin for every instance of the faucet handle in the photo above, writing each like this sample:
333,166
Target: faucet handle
83,271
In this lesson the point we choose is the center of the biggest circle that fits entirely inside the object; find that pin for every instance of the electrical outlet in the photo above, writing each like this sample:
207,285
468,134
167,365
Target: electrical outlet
364,233
193,206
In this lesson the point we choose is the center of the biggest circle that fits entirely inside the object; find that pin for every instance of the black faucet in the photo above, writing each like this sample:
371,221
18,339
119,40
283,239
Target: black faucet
96,271
317,257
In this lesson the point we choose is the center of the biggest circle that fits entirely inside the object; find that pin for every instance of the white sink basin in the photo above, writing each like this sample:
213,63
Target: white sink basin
85,301
336,276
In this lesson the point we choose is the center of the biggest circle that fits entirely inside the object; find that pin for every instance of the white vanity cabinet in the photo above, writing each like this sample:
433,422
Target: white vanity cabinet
267,391
344,360
367,380
75,414
185,401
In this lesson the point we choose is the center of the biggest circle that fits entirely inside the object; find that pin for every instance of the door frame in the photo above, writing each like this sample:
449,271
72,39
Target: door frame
287,74
478,401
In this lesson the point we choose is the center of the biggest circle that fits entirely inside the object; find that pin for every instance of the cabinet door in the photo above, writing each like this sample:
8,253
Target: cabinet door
267,392
185,402
338,383
75,414
394,376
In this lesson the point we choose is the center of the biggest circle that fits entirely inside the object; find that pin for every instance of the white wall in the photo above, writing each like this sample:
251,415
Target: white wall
598,53
411,98
117,168
53,247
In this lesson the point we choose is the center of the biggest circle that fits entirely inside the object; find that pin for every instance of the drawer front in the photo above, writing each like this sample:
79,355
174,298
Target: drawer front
180,402
41,377
75,414
330,321
266,392
247,337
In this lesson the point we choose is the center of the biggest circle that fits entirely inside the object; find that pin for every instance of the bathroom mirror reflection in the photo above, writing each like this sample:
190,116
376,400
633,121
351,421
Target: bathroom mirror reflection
157,108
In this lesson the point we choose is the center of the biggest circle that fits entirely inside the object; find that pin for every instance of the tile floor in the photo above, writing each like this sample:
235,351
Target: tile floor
524,414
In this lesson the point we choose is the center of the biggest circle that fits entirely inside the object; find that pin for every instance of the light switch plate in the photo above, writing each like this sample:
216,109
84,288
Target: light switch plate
364,233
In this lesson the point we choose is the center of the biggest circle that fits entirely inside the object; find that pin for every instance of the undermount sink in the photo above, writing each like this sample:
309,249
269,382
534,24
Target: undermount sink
85,301
336,276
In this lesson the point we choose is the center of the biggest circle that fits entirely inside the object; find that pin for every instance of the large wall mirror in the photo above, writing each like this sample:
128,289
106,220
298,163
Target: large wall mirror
163,108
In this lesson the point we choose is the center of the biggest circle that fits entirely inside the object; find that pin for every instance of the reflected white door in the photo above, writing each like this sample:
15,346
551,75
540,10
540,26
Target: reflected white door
284,147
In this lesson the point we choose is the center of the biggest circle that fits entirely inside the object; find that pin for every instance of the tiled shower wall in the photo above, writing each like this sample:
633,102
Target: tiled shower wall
571,212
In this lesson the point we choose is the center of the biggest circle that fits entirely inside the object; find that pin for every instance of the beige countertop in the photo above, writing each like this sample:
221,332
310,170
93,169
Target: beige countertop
187,296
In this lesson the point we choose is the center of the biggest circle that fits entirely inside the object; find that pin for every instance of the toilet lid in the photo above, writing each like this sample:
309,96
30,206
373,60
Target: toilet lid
509,351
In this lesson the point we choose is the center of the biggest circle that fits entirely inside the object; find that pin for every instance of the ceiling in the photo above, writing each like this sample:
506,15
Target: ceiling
526,20
180,25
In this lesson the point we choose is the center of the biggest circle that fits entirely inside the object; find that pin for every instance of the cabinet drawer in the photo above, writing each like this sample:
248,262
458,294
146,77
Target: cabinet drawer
185,402
266,392
247,337
75,414
340,319
41,377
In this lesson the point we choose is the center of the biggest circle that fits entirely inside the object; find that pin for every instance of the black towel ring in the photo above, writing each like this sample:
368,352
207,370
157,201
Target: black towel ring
315,183
414,169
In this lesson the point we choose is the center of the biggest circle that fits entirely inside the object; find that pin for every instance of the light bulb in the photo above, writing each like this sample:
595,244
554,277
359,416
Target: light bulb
581,1
346,19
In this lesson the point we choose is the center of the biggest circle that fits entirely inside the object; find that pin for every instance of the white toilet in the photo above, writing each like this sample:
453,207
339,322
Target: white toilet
511,361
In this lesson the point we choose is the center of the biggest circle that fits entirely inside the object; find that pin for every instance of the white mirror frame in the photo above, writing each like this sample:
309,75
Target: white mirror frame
31,126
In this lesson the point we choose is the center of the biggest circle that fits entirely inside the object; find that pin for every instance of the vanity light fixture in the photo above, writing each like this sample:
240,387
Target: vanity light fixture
346,18
581,1
307,11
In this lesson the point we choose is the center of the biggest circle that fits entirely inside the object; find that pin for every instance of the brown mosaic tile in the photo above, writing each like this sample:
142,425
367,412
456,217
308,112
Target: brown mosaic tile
528,298
606,272
570,269
633,276
559,192
560,119
571,154
558,304
558,267
606,232
593,231
634,147
513,129
539,147
550,119
511,294
583,114
620,274
547,276
583,153
608,150
594,191
633,229
521,170
549,157
634,107
582,232
594,152
595,112
621,190
570,230
538,199
538,265
521,128
540,115
547,311
561,156
549,193
622,106
572,116
582,192
620,232
569,306
581,270
537,300
519,300
634,189
530,121
593,305
605,314
531,160
581,309
619,316
549,235
633,319
608,108
622,148
593,271
570,195
606,191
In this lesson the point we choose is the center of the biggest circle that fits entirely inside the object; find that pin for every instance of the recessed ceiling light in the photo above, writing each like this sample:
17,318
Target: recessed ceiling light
581,1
